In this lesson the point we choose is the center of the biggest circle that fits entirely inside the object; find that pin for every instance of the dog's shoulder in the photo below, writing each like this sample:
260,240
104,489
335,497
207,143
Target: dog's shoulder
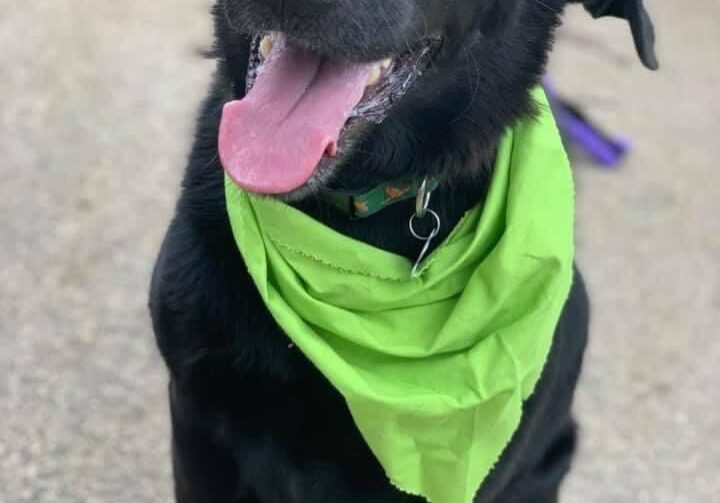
205,308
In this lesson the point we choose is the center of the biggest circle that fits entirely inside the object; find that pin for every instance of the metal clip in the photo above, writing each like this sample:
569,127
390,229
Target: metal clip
423,199
422,204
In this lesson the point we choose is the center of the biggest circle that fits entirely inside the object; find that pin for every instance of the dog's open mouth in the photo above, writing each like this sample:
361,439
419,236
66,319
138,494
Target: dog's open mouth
300,110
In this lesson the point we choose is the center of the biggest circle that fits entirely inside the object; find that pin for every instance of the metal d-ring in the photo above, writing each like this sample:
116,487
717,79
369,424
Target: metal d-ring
428,239
422,209
434,232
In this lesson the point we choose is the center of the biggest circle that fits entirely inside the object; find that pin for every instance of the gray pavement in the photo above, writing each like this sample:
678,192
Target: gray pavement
97,112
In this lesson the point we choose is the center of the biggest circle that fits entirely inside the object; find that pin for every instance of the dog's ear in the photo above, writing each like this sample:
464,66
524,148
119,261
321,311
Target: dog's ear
635,13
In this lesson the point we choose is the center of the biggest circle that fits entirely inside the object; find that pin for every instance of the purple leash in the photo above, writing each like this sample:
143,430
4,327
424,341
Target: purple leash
575,127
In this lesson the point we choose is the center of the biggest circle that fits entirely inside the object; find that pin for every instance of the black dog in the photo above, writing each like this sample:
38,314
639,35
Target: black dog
253,421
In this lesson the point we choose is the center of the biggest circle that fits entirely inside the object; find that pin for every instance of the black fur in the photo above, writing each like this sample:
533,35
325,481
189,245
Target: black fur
253,421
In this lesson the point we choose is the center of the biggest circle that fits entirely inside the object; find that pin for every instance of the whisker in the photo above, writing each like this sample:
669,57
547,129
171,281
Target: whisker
549,7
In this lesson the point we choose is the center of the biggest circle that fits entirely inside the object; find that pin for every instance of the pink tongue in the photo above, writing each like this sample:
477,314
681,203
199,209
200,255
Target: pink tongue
271,141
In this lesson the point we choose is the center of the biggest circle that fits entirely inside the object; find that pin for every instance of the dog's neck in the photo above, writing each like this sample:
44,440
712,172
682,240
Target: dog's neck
389,230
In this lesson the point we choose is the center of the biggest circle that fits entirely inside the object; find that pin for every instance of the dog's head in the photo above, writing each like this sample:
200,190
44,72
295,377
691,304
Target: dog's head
358,92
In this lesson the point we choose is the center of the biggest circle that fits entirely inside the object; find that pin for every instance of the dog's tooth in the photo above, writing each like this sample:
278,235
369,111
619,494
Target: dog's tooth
385,63
374,75
266,45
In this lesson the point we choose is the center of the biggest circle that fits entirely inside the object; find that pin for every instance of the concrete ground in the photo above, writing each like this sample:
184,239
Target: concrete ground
96,118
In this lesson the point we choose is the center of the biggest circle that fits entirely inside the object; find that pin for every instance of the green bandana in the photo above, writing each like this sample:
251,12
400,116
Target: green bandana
434,369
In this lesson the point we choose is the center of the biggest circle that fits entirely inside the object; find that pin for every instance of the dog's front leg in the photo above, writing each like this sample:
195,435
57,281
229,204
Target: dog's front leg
204,466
